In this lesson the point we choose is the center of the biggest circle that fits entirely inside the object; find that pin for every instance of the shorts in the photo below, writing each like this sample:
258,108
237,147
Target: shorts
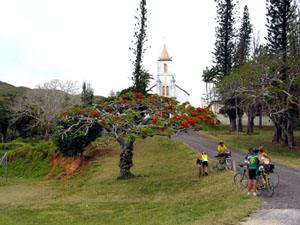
204,163
252,174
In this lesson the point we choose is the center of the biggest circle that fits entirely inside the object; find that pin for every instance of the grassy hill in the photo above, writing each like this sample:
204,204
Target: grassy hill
166,190
8,92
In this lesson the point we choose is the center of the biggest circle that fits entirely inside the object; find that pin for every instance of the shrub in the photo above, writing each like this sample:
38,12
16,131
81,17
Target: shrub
83,132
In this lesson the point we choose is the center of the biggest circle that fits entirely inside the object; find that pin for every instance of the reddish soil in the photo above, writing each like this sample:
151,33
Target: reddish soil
65,167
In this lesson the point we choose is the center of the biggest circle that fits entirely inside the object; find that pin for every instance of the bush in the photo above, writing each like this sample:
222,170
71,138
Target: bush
74,133
27,157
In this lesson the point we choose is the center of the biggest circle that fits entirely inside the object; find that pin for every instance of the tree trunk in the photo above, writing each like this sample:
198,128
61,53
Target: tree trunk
232,121
277,133
260,120
240,123
250,125
290,130
126,156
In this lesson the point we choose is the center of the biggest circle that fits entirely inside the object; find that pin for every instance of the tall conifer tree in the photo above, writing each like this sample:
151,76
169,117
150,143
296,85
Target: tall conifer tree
225,34
279,18
279,22
140,77
244,40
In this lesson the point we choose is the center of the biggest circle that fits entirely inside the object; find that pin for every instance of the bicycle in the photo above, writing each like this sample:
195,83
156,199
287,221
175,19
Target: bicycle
241,178
273,174
199,164
264,183
225,162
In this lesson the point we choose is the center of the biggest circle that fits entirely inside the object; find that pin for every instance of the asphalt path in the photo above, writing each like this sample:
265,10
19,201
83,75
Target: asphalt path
283,207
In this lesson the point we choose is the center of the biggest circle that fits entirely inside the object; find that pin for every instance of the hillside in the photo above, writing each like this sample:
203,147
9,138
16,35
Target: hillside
165,191
8,92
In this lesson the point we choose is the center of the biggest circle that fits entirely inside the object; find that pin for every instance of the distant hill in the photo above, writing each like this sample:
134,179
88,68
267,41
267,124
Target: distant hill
9,92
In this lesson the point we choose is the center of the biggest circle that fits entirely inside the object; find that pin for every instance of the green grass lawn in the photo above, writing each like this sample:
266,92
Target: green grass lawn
166,190
278,152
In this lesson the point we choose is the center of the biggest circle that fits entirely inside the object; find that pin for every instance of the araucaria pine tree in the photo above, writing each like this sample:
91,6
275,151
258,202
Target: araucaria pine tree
279,18
279,21
294,33
141,78
224,52
244,40
87,94
225,33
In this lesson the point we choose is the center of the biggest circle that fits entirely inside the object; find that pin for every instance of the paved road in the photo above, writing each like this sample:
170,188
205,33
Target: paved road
283,207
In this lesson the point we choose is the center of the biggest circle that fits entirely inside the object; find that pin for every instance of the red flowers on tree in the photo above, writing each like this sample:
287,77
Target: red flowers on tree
184,116
154,121
138,95
191,122
184,125
95,114
200,110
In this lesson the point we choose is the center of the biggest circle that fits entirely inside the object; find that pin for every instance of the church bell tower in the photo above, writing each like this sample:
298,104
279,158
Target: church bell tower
165,78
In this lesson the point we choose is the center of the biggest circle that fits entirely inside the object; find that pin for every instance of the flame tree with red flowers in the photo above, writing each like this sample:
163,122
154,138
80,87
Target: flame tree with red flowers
125,118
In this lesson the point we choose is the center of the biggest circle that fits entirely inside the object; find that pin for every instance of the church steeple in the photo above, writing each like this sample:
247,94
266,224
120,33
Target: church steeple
165,55
166,84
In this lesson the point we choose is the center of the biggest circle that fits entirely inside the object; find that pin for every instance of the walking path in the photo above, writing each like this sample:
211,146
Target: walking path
283,208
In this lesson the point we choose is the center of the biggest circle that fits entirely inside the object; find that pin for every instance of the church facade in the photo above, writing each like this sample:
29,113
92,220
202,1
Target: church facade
165,83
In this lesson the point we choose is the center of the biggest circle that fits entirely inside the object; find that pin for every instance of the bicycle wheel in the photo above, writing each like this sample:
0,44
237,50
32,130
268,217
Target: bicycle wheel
275,179
240,180
220,166
229,164
269,190
200,171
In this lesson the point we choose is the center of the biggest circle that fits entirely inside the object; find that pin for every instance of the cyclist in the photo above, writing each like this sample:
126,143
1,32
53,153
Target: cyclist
253,167
263,157
221,149
204,159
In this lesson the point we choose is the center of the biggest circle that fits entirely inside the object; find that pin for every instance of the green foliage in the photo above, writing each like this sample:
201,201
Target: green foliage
28,158
25,127
141,77
279,16
210,75
74,133
8,93
4,120
225,33
242,50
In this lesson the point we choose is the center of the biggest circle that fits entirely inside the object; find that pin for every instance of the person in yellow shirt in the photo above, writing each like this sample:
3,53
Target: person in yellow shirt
204,159
221,149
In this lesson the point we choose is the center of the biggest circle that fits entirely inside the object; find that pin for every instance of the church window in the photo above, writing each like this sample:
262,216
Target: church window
165,67
167,91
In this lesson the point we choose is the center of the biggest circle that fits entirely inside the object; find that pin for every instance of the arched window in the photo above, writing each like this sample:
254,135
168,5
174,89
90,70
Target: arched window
163,91
165,67
167,91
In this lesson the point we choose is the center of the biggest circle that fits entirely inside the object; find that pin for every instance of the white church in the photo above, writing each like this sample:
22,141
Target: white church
166,84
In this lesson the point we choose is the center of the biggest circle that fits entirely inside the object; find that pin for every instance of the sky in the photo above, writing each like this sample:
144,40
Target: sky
89,40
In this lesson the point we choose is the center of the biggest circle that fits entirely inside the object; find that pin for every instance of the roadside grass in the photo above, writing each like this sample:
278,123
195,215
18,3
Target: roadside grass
279,153
165,191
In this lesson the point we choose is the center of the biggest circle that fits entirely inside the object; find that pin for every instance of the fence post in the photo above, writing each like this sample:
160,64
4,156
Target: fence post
234,166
